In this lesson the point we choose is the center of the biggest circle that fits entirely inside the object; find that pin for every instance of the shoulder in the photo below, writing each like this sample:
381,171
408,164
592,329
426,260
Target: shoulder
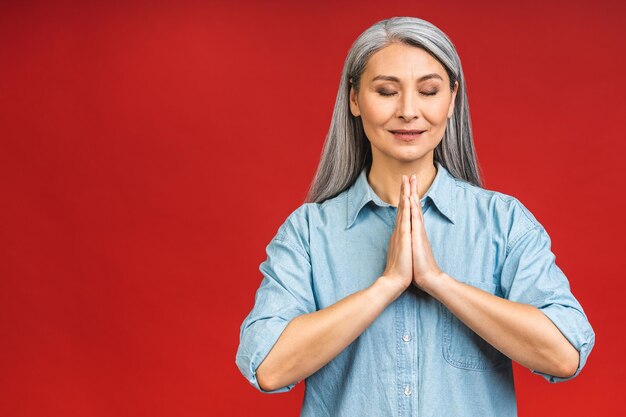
311,218
507,214
326,213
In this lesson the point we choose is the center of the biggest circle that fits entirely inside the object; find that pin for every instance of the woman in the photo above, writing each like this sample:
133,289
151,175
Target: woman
402,287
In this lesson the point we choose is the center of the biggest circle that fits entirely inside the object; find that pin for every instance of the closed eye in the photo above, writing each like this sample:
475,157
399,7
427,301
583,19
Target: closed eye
425,93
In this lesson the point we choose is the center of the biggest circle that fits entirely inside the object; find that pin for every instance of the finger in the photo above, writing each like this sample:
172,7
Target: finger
399,212
415,216
418,205
406,207
413,190
403,193
414,186
417,196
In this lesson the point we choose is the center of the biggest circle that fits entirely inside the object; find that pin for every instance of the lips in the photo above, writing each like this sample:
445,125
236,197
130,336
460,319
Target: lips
407,135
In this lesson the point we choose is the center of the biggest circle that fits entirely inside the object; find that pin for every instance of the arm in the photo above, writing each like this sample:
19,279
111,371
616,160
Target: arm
312,340
520,331
539,323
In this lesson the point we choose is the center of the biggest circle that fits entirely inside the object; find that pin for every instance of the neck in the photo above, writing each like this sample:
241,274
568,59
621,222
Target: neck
386,179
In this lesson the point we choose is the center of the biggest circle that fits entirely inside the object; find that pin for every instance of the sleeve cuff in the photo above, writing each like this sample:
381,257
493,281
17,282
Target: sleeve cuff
248,362
576,329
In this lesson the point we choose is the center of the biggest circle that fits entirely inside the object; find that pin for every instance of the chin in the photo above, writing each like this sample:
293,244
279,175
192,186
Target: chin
410,157
405,153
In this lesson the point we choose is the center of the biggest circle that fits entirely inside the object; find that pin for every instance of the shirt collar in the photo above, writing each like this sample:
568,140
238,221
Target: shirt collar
441,193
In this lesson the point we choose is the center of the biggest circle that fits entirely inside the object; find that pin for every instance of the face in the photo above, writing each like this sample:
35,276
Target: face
403,87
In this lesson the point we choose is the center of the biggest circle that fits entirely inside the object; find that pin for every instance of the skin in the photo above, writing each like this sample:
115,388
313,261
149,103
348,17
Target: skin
520,331
409,107
400,173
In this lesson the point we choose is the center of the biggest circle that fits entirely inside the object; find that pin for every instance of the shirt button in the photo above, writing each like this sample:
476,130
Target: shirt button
407,390
406,337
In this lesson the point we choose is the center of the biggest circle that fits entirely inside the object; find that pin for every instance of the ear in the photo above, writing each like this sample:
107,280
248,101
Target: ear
451,108
354,104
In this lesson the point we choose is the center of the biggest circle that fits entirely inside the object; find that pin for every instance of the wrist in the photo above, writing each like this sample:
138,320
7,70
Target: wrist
437,285
388,288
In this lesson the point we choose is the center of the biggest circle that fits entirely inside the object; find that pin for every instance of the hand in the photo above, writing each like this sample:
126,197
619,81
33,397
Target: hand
399,269
425,268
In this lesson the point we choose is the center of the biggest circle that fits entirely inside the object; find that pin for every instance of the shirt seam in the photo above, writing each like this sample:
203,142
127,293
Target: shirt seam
282,237
514,241
477,191
523,210
533,223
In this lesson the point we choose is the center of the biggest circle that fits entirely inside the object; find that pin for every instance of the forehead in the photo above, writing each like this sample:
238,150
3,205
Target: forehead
403,61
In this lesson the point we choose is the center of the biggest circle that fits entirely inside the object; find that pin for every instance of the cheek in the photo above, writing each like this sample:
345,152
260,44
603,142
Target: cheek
377,110
437,112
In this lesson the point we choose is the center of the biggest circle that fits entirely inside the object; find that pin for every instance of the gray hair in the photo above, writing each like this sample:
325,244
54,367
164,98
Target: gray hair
347,150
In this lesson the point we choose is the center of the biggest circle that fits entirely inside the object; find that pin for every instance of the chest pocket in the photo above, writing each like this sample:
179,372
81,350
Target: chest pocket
465,349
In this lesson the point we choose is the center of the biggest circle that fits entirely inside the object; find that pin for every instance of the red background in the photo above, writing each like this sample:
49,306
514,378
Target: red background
149,152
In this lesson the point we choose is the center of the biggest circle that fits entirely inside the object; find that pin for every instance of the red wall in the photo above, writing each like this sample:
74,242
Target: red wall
149,151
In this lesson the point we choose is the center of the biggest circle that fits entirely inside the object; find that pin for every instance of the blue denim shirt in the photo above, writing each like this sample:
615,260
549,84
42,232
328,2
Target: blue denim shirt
416,358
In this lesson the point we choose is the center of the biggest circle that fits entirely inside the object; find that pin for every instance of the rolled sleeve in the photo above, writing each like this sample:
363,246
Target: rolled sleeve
284,294
530,275
575,327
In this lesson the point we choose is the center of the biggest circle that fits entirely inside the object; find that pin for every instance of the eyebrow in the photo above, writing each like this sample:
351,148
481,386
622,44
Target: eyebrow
397,80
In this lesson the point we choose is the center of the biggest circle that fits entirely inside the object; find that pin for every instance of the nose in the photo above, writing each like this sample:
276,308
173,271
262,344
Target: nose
408,107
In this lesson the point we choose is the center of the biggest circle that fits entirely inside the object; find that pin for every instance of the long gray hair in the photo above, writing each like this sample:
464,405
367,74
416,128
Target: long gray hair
347,150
